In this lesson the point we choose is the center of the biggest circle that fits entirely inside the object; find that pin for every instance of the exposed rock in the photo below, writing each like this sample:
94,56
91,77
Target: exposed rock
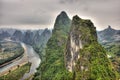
17,36
83,56
78,39
28,38
40,41
83,53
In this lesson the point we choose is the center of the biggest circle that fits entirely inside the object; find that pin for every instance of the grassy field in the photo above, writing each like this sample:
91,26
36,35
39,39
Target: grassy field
17,74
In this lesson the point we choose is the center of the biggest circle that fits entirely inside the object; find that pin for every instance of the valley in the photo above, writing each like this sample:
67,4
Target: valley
74,53
109,38
59,39
29,56
9,51
73,48
17,50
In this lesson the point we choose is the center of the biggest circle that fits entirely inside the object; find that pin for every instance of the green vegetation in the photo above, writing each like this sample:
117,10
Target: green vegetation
53,68
10,51
93,63
17,74
109,39
113,49
98,66
40,44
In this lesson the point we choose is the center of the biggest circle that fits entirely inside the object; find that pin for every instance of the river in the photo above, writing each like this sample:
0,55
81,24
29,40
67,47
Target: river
33,57
29,56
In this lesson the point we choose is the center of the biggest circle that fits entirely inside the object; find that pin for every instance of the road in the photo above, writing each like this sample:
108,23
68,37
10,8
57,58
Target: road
29,56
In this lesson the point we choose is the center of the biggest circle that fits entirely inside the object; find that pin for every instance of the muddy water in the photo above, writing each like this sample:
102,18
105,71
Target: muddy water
29,56
33,57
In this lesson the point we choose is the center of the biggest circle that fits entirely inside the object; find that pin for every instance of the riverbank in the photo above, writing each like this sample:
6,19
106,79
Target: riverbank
20,61
9,51
33,58
11,61
12,68
29,56
18,73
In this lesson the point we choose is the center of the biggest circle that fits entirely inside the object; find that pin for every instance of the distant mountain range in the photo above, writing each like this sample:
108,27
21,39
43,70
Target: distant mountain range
108,35
109,38
26,36
35,38
73,50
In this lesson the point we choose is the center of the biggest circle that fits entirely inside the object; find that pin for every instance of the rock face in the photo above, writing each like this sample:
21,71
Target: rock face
108,35
17,36
74,53
28,38
84,56
40,41
82,33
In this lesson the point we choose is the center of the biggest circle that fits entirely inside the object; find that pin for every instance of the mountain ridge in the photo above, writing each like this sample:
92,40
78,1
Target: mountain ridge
68,53
108,35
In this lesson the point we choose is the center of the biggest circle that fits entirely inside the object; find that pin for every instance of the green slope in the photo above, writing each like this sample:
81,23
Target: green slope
53,68
93,58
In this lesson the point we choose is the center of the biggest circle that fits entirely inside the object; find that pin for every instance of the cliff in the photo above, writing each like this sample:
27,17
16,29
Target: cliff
84,56
40,41
73,53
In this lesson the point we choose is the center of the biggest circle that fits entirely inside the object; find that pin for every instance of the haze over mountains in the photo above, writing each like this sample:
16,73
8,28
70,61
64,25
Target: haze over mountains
73,51
59,39
35,38
43,12
19,35
109,35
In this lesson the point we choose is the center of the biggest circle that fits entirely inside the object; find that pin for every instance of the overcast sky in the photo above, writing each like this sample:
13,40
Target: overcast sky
42,13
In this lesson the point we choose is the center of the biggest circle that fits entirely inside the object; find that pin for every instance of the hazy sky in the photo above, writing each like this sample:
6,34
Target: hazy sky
42,13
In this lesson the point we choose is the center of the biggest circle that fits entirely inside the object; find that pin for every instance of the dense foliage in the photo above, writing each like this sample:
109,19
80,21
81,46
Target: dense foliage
93,63
93,58
53,68
109,38
17,74
40,42
99,66
113,50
